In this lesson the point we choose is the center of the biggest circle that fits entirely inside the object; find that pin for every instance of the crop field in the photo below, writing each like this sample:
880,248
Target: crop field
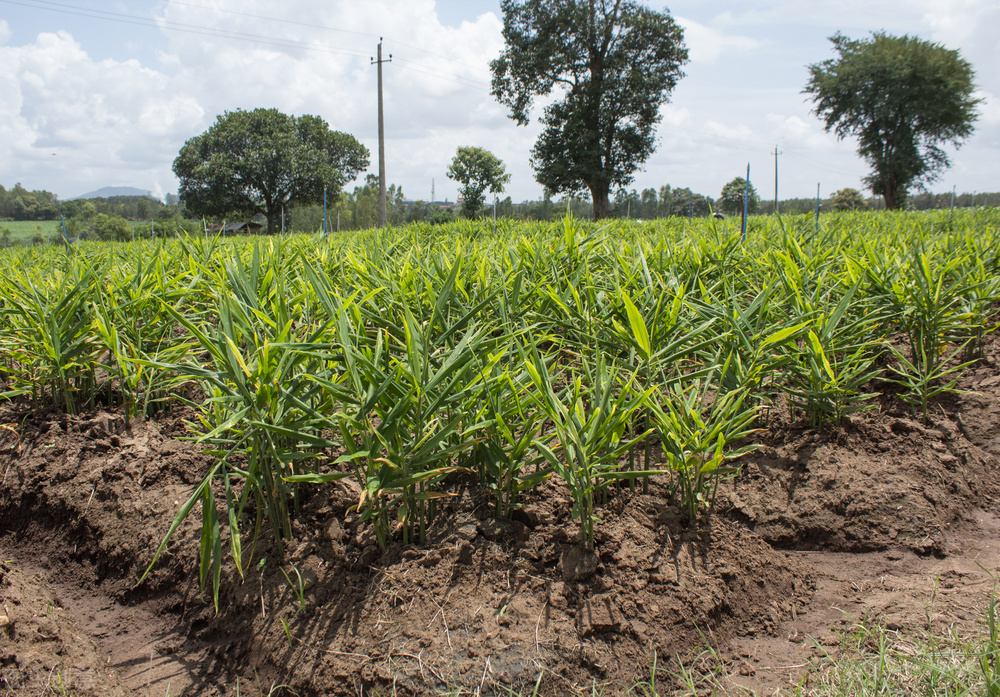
552,459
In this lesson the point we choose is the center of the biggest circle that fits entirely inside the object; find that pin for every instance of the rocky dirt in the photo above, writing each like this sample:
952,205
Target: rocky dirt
882,515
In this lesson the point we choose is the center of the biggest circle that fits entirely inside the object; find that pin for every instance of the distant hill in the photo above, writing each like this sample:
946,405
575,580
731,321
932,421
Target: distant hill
109,191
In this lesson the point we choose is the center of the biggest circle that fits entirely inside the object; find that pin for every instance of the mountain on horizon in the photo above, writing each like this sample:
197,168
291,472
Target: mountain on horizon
109,191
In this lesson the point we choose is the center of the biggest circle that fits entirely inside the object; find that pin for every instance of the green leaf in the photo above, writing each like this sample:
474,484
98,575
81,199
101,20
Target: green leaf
638,325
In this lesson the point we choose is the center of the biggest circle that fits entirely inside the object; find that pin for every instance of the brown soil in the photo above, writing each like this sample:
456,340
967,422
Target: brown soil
881,516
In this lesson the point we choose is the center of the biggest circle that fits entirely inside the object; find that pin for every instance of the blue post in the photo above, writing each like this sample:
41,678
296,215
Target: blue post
65,236
746,195
817,205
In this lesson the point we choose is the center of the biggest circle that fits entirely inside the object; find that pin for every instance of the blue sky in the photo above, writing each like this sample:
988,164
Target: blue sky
104,93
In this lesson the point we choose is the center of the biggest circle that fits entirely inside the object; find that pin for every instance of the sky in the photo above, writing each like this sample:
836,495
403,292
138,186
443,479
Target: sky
98,93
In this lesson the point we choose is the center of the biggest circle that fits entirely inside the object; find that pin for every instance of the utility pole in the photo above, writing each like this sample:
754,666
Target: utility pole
381,138
776,153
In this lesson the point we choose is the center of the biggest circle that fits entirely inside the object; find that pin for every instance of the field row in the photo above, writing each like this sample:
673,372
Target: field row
401,357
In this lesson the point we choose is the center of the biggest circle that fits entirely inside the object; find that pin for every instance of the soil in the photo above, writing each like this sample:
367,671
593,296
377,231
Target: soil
881,516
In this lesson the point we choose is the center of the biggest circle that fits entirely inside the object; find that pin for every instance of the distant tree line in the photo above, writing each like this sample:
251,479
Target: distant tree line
852,199
133,217
929,201
359,209
128,207
350,210
20,204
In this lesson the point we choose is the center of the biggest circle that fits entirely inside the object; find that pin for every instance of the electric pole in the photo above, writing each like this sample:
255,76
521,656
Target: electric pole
776,153
381,138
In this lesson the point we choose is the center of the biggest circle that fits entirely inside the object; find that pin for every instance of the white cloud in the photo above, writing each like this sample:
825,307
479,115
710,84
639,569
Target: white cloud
707,44
122,122
794,131
954,21
989,109
68,117
438,79
844,15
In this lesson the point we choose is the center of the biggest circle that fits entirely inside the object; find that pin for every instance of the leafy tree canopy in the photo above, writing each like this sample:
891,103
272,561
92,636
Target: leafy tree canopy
256,162
902,98
848,199
731,198
477,170
20,204
614,62
110,227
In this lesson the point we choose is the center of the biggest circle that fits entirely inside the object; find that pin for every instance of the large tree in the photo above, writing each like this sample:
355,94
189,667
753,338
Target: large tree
256,162
477,170
902,98
612,63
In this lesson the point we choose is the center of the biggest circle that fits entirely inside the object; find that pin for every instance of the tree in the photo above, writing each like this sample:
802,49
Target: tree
614,63
477,170
256,162
731,198
626,204
395,206
902,98
417,212
686,203
648,207
848,199
110,227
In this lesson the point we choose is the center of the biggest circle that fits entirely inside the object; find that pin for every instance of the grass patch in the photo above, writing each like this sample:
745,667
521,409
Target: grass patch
877,661
22,231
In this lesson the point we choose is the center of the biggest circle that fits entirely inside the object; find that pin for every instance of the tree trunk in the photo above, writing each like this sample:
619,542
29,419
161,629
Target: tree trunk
889,196
889,193
272,222
599,193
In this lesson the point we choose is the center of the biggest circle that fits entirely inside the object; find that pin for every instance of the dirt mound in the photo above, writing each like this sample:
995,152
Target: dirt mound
882,480
484,603
494,603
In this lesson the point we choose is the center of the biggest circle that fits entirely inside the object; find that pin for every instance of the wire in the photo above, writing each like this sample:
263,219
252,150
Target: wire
178,26
718,140
136,20
312,25
465,82
812,163
122,18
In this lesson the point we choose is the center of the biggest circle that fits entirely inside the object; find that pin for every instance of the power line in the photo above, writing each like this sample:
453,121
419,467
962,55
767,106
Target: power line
137,20
811,161
325,27
457,79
